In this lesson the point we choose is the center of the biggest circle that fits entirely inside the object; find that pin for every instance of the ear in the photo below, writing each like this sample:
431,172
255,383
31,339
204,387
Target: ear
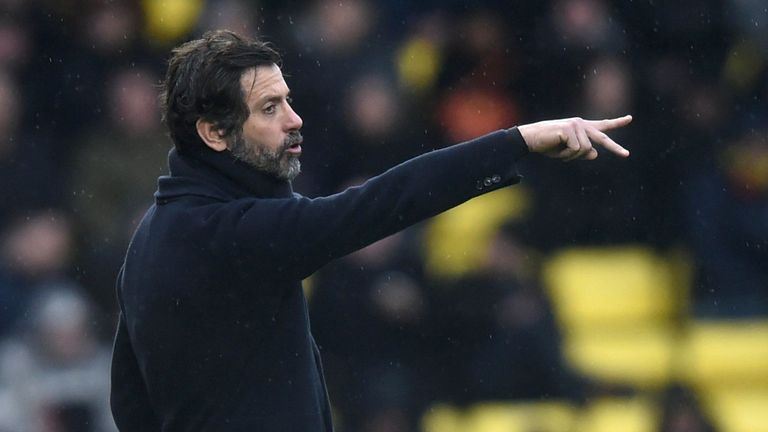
211,136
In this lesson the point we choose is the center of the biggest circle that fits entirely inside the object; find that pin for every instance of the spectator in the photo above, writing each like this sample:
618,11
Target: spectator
114,173
35,251
501,339
369,316
477,80
377,131
680,412
52,372
727,202
27,158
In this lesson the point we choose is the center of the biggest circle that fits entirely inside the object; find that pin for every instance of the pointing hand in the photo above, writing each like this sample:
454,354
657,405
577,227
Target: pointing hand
573,138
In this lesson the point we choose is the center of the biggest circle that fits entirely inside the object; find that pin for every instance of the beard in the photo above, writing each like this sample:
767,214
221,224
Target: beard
280,163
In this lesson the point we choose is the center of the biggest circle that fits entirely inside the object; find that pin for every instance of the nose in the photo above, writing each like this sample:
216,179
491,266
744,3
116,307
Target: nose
294,121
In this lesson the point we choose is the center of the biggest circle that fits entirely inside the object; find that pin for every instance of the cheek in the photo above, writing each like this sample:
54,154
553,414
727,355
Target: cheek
262,133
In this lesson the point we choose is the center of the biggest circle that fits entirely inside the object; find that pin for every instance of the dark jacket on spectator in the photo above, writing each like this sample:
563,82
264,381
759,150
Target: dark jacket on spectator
214,333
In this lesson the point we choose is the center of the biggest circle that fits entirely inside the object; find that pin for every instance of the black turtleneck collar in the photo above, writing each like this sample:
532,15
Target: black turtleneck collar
217,175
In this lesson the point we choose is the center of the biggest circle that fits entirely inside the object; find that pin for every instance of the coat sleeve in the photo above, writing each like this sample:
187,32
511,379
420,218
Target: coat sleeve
294,237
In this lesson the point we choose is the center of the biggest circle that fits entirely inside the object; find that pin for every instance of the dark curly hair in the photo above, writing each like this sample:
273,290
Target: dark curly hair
203,81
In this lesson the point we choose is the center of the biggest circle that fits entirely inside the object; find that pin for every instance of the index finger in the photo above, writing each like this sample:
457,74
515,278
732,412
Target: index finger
606,142
608,124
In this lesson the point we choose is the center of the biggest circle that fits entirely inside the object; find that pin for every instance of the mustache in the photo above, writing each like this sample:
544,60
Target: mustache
293,138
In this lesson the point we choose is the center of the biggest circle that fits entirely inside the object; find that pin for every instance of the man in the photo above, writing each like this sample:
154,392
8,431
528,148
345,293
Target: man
213,332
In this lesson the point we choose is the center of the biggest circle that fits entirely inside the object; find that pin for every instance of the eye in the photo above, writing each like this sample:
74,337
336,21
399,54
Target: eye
269,109
289,99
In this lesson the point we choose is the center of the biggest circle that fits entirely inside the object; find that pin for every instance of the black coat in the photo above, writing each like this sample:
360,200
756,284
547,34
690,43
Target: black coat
213,332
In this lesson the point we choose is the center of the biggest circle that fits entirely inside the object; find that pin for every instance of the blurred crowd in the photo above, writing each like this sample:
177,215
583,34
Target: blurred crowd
376,82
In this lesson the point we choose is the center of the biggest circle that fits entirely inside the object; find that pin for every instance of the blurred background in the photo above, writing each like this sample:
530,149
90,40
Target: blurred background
596,296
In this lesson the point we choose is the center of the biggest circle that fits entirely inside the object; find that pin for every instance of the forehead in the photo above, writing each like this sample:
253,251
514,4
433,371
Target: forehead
263,82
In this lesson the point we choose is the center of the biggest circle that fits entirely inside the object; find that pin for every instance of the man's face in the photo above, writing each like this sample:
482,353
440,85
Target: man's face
270,140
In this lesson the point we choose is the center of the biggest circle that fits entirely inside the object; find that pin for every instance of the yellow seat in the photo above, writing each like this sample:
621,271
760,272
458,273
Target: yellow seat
611,286
617,307
520,417
738,409
615,414
642,357
457,241
442,418
725,354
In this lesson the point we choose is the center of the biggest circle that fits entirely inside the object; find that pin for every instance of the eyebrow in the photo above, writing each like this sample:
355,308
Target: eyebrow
273,98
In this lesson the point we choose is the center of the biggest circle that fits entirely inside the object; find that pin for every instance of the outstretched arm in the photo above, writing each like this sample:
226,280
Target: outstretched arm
298,235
